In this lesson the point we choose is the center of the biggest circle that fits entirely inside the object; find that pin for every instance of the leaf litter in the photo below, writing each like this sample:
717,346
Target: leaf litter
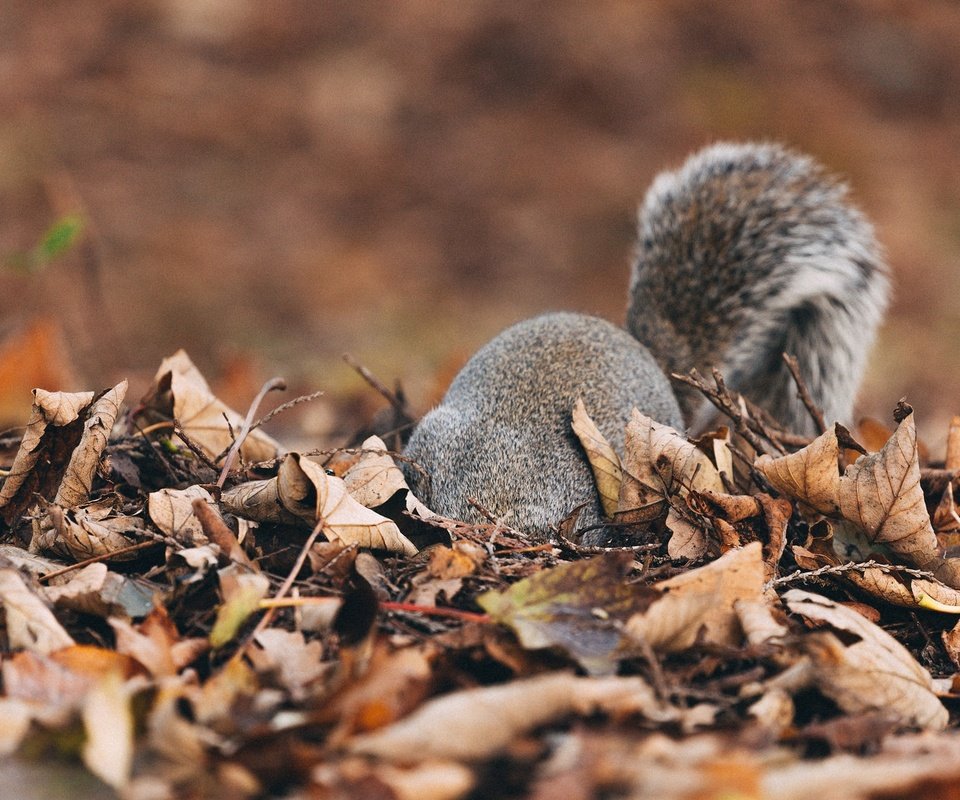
762,620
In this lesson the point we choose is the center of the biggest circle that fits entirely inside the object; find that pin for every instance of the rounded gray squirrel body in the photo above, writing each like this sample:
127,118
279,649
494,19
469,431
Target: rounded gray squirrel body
744,253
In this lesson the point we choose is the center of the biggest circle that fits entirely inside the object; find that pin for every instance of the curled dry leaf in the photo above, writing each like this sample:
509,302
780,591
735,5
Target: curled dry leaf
181,392
810,475
51,431
873,673
704,599
30,624
303,491
172,512
604,461
343,519
86,532
77,480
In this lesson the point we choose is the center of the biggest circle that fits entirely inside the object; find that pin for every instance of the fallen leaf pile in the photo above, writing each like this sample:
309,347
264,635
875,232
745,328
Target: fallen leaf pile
191,615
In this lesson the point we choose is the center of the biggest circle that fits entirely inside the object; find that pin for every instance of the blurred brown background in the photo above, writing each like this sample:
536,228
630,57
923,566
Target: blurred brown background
269,183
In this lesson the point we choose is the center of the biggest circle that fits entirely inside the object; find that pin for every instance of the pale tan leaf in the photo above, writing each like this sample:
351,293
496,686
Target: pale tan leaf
108,724
881,493
15,718
172,512
343,519
810,476
203,417
873,673
475,724
688,541
298,665
704,599
77,480
758,622
30,624
659,457
374,478
604,461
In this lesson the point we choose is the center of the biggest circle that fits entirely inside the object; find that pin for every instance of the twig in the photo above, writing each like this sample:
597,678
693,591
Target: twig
269,386
727,403
437,611
391,397
804,393
95,559
304,398
851,566
267,618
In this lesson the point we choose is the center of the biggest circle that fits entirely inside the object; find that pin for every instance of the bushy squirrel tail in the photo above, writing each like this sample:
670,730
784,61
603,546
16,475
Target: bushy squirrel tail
748,251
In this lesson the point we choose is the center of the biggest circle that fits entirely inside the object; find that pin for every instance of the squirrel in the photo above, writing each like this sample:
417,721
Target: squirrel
745,252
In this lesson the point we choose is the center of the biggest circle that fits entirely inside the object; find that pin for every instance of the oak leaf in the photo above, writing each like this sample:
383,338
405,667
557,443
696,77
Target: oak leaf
604,461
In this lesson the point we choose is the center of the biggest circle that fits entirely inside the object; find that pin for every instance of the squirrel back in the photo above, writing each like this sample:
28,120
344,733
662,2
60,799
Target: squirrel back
745,252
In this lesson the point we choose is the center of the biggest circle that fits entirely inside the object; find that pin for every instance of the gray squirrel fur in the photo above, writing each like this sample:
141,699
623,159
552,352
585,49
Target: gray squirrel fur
747,251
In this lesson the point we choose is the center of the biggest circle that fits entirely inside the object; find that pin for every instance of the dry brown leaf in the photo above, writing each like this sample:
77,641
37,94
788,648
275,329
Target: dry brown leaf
659,457
343,518
172,512
297,664
49,431
704,599
98,591
881,493
180,392
875,672
374,478
30,624
77,480
688,541
810,475
475,724
86,532
156,644
604,461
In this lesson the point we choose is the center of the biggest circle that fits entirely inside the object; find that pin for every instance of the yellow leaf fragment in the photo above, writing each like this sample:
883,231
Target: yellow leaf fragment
604,461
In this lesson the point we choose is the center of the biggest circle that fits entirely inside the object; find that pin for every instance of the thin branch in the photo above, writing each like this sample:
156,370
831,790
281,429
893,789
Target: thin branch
269,386
804,393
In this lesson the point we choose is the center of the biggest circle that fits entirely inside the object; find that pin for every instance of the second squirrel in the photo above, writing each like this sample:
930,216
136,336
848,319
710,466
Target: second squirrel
747,251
